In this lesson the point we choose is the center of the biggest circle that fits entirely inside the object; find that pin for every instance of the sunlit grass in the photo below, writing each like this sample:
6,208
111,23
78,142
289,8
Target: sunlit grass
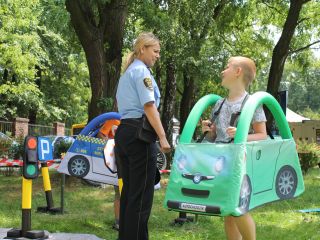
90,210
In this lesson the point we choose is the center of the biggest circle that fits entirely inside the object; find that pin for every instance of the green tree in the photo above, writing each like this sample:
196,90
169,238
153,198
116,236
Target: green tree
20,52
43,72
99,26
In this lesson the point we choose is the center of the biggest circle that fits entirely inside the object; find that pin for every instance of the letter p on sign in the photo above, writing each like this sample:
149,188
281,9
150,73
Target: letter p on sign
44,149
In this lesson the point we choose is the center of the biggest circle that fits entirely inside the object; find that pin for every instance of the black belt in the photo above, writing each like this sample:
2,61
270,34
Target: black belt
134,122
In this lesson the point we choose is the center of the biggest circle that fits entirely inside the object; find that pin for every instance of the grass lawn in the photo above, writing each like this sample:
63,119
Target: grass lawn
90,210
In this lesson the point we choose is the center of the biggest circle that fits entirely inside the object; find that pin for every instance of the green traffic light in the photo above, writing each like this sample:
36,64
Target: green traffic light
31,170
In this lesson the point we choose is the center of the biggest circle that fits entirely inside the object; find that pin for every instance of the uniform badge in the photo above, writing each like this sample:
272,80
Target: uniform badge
148,83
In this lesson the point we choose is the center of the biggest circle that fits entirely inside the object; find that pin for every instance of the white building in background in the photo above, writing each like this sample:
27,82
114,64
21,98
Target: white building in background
303,128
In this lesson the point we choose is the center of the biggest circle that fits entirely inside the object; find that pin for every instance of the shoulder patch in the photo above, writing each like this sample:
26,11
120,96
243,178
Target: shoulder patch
148,83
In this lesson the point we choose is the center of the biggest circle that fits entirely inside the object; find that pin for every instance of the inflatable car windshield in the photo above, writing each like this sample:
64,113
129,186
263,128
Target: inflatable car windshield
231,179
90,157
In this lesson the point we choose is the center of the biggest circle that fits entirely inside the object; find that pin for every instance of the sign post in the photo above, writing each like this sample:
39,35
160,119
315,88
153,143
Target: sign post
45,154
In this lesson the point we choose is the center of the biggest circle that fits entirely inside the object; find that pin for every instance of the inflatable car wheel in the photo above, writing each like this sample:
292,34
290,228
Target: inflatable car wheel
245,194
161,160
286,182
78,166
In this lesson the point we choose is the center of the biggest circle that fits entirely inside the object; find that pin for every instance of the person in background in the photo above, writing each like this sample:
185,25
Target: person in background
107,131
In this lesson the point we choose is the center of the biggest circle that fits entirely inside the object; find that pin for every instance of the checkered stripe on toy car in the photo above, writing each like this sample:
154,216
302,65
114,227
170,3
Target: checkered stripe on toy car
91,140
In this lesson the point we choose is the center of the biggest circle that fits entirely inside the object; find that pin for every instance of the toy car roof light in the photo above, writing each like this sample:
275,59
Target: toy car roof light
98,121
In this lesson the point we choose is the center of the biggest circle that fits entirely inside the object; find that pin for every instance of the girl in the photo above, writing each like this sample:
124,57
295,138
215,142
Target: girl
236,77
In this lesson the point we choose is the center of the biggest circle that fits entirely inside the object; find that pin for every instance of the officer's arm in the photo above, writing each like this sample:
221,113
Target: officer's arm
154,119
153,116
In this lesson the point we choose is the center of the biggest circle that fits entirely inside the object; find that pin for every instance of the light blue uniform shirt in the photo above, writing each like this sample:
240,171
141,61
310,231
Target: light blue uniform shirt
134,92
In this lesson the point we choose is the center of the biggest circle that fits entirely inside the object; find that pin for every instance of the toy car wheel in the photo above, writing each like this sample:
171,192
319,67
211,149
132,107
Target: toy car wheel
161,160
245,194
78,166
286,182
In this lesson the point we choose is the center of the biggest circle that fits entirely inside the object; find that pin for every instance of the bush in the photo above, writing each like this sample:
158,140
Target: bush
4,147
16,151
11,148
309,155
61,147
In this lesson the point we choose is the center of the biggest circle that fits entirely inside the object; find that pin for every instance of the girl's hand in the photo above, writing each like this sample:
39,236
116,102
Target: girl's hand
231,131
208,126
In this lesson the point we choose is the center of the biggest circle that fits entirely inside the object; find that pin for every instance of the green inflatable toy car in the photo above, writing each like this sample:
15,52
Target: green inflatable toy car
231,179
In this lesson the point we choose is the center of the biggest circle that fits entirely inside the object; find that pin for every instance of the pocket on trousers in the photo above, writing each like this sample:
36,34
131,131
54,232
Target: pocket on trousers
145,131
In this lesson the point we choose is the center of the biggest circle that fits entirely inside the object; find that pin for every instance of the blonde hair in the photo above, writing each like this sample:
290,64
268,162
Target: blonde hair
145,39
248,67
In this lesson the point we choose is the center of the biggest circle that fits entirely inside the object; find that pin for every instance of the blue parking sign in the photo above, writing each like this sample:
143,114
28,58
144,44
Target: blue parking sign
44,149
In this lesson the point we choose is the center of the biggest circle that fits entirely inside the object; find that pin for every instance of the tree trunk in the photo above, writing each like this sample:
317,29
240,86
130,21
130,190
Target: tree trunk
102,43
169,104
186,100
158,81
96,60
14,78
5,76
281,50
158,76
116,14
169,98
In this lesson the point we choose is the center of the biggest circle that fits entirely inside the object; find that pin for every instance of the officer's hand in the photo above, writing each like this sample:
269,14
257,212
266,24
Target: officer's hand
164,145
231,131
207,126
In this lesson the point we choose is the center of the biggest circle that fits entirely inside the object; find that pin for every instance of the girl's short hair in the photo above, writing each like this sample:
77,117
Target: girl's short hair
248,67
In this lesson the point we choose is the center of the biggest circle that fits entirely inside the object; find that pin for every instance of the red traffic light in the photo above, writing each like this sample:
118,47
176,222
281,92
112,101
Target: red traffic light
32,143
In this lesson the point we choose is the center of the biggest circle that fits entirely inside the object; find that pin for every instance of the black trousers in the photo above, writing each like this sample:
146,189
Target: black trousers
137,164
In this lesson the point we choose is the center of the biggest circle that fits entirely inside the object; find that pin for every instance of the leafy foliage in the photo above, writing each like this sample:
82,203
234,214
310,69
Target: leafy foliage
43,68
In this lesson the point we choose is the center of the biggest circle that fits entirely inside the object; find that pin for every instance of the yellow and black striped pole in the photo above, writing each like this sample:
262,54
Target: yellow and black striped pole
47,185
48,192
26,211
120,182
26,205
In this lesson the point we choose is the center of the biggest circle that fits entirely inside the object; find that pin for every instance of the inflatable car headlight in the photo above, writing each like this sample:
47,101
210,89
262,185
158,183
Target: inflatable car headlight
182,162
219,164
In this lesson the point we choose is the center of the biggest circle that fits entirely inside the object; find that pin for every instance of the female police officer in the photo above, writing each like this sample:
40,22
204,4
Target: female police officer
138,94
